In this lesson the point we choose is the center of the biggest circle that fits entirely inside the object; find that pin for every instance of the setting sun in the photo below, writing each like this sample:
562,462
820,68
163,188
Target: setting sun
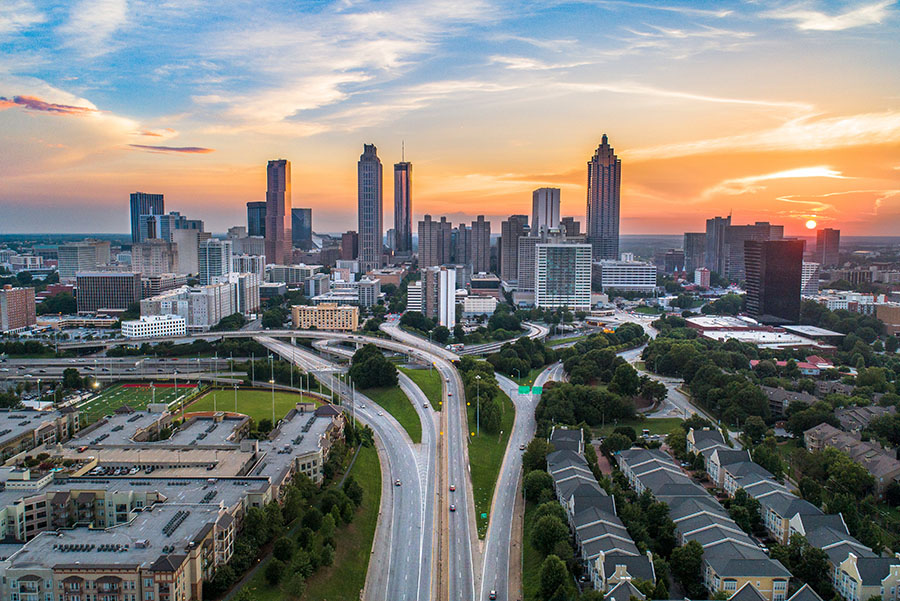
811,224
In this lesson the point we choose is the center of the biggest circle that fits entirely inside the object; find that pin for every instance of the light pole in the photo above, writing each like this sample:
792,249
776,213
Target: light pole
478,406
272,382
215,381
176,396
235,397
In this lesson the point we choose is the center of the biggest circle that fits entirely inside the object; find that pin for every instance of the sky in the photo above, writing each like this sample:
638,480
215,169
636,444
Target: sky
783,111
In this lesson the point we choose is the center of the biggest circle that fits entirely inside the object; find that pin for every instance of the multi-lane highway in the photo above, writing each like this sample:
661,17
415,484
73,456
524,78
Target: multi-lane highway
401,567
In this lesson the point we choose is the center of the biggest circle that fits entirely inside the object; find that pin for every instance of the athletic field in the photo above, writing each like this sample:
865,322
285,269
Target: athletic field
137,396
255,403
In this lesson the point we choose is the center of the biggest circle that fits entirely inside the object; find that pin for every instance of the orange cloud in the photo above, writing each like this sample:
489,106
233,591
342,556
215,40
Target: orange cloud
173,149
163,133
36,104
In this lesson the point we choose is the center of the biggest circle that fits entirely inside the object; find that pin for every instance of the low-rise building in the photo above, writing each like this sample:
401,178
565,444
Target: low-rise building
625,276
478,305
154,326
17,308
326,316
883,466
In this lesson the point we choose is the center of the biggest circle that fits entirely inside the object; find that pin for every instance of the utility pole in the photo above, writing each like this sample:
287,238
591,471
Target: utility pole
478,406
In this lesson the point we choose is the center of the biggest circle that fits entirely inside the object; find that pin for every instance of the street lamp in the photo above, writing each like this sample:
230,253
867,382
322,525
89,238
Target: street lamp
478,406
272,382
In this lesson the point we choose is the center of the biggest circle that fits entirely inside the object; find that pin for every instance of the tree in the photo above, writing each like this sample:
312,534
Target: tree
312,519
369,368
326,558
553,575
547,532
615,442
440,334
754,429
537,481
274,571
328,528
283,548
72,379
273,318
686,563
625,381
535,455
353,490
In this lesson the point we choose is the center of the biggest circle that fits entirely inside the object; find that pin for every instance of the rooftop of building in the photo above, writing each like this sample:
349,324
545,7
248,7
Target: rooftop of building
16,423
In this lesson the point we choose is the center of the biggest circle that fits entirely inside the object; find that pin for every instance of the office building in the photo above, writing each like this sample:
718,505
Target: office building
75,257
154,256
151,285
563,276
107,291
474,306
694,251
434,242
485,284
318,284
525,262
414,296
809,279
236,231
249,264
187,243
773,275
403,207
291,274
17,309
544,209
461,245
569,227
716,254
214,260
368,290
327,316
278,212
439,295
369,212
510,231
626,276
669,261
828,245
202,307
154,326
301,228
26,262
701,277
349,246
736,235
244,292
142,203
480,245
256,218
251,245
604,175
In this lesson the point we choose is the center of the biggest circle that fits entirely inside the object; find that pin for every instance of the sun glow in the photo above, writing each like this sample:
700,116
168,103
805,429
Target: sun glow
811,224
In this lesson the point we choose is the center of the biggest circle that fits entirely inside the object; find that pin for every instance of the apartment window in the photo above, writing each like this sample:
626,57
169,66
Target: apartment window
780,585
730,585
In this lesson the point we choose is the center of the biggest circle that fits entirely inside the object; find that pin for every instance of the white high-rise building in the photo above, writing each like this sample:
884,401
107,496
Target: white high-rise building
627,276
152,326
214,260
249,264
562,276
544,210
414,296
809,278
439,295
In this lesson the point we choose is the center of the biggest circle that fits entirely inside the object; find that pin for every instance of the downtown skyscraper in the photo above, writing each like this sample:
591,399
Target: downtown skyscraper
403,207
370,211
142,203
604,175
279,249
544,209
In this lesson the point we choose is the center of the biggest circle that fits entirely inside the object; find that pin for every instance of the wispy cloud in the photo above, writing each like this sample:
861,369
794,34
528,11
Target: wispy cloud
92,24
752,183
32,103
807,19
172,149
627,87
674,8
18,15
167,132
810,133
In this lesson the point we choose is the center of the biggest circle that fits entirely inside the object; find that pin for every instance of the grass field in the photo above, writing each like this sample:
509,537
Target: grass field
136,396
429,380
559,341
394,401
528,379
485,457
255,403
347,575
648,310
662,425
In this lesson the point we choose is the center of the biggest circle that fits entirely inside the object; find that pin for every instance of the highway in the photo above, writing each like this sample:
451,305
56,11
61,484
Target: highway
458,545
401,563
535,331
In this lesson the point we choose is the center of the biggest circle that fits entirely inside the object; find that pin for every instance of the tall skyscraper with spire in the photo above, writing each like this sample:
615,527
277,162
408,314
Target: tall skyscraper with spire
403,206
370,211
278,212
604,175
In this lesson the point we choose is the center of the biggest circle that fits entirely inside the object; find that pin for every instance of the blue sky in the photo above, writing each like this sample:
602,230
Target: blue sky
704,101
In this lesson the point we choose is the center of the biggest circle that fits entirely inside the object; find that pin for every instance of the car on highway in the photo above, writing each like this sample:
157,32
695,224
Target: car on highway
397,482
380,413
452,507
425,405
363,406
452,487
493,595
521,447
449,393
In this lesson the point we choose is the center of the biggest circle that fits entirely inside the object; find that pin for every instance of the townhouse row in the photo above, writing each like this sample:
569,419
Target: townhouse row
609,555
856,572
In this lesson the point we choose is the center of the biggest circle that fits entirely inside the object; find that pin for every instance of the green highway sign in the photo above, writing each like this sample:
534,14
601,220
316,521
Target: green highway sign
537,390
484,515
524,389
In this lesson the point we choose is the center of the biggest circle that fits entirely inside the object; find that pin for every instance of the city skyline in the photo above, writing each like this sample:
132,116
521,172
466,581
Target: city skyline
733,106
